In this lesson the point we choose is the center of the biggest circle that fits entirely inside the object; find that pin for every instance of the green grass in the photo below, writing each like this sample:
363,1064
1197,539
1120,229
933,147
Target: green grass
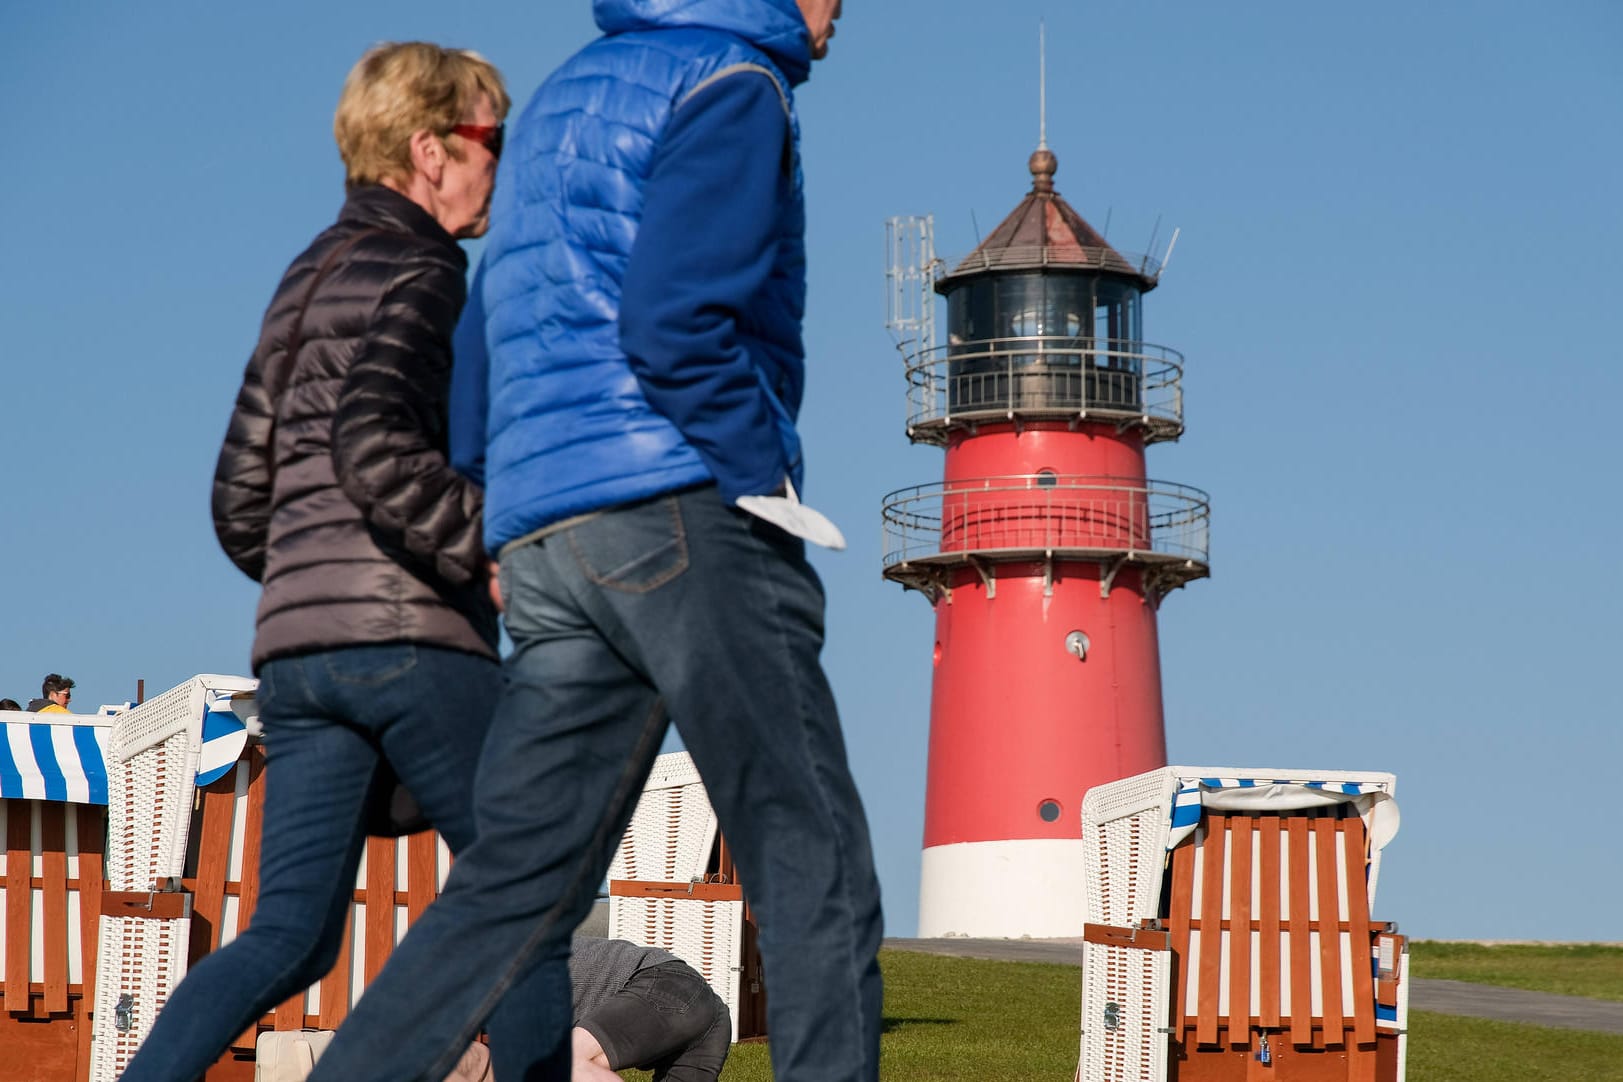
1569,969
1447,1048
964,1020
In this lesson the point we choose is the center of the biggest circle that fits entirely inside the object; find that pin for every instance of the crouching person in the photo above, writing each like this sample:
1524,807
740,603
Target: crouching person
643,1008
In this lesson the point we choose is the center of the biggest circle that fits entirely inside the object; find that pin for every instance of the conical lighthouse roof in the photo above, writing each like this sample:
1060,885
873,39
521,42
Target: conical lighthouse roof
1045,231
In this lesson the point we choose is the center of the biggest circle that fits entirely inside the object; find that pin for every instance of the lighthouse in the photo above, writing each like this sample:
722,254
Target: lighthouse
1045,551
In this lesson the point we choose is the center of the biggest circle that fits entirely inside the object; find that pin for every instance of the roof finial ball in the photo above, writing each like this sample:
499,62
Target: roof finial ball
1043,166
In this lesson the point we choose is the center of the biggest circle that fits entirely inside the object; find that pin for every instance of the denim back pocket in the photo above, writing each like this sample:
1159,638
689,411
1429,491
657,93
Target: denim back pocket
633,549
370,666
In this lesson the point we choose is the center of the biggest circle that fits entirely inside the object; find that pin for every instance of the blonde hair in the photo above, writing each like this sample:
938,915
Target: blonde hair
399,88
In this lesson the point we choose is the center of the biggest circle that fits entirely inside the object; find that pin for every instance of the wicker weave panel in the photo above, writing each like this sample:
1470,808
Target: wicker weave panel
1124,828
673,830
141,958
1124,993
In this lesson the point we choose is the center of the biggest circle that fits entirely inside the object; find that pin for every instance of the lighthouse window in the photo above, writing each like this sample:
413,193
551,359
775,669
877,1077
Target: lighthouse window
1049,811
1046,479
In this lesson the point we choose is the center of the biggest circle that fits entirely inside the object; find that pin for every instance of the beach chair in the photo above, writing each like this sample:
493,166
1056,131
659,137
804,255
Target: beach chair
186,787
153,760
53,788
672,885
1228,932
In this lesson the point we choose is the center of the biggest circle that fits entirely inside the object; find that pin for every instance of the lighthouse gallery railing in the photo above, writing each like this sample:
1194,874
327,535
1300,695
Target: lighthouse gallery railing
1047,515
1109,379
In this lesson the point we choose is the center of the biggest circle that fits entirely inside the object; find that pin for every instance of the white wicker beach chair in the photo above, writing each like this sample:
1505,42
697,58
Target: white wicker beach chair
1228,919
672,886
145,928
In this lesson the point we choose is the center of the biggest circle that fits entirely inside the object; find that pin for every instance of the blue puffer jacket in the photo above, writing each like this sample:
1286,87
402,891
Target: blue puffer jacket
569,427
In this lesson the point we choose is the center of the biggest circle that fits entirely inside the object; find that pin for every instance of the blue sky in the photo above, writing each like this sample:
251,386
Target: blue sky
1394,288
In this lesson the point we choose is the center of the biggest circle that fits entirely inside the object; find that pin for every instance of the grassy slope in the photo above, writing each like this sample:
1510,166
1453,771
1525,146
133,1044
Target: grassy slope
961,1020
1568,969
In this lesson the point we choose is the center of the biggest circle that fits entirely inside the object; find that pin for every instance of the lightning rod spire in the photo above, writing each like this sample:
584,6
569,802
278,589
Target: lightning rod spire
1042,84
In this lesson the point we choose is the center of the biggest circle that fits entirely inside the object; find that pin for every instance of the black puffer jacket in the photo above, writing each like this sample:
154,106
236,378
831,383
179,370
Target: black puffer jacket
337,495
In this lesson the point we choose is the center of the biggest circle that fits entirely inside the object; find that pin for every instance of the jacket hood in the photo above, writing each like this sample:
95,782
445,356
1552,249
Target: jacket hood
776,27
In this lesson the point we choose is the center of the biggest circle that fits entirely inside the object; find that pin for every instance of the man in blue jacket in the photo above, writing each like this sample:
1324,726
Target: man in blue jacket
627,391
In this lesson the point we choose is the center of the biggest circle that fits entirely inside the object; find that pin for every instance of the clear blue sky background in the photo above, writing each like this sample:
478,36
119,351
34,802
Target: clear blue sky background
1395,287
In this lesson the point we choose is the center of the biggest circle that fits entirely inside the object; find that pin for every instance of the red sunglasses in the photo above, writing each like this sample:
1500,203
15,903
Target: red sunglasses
488,136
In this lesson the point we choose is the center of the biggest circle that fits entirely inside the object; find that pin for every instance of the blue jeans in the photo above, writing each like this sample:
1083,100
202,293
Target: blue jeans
328,716
678,603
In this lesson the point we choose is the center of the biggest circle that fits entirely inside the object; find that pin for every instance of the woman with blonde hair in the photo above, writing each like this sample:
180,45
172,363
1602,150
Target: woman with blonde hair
375,641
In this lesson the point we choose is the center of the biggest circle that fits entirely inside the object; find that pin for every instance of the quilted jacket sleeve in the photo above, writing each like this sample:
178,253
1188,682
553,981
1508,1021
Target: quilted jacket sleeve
241,501
389,429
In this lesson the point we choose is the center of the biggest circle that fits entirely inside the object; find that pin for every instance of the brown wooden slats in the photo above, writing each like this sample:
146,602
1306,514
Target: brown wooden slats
1182,901
1211,928
335,985
380,879
1324,846
213,863
1268,937
1301,958
253,822
19,902
290,1014
648,888
1239,1016
422,876
91,826
53,836
1363,976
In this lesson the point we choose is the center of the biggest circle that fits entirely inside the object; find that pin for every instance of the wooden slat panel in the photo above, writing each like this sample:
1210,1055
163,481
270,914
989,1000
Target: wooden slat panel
1301,957
53,837
1105,935
1239,1016
1363,976
154,905
290,1014
1183,892
92,830
335,985
1324,844
422,878
1211,929
1268,931
644,888
380,879
253,824
19,902
213,862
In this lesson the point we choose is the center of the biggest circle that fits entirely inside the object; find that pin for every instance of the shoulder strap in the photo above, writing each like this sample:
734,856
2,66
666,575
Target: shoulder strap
295,341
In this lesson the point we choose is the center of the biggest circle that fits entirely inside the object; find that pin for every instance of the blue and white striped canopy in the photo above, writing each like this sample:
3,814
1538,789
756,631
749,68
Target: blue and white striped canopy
1279,793
64,756
54,757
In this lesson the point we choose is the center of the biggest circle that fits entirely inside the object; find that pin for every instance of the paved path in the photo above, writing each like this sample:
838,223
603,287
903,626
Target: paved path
1443,997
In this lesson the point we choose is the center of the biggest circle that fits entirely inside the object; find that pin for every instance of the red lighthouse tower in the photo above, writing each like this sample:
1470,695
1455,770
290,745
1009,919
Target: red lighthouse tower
1045,552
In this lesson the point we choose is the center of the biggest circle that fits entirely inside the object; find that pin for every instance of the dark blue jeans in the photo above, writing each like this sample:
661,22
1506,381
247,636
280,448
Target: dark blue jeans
678,603
327,716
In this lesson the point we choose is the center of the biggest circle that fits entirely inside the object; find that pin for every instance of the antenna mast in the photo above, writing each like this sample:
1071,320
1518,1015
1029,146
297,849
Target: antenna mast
1042,84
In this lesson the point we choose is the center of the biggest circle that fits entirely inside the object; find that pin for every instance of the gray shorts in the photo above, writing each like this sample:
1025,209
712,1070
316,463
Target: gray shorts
666,1020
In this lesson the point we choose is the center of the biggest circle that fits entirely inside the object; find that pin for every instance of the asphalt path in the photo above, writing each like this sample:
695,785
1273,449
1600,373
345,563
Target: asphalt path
1443,997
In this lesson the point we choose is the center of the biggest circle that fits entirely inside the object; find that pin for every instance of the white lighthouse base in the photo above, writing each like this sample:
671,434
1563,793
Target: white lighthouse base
1002,890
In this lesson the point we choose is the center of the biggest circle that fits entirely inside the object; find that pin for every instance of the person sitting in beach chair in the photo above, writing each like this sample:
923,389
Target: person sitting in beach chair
643,1008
